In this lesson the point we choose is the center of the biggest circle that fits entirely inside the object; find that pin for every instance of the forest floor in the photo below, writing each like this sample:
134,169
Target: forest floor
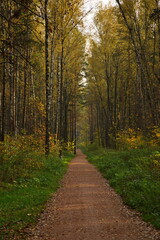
87,208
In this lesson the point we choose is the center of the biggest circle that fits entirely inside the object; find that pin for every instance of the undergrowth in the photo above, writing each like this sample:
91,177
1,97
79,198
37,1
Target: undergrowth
135,175
28,179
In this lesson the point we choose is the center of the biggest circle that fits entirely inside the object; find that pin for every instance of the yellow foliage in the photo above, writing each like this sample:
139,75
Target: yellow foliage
156,159
156,163
130,139
70,146
18,150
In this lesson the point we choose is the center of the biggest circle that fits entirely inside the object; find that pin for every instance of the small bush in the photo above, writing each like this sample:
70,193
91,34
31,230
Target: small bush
20,155
155,157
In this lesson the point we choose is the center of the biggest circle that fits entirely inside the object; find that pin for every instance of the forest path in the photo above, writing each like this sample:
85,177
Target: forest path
87,208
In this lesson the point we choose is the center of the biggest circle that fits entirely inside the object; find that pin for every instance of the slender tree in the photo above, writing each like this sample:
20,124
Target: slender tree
47,143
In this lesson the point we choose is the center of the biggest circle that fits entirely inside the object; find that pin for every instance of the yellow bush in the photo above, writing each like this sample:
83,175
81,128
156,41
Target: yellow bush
156,159
18,155
130,139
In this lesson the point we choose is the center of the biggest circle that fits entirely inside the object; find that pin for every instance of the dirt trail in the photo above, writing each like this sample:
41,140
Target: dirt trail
87,208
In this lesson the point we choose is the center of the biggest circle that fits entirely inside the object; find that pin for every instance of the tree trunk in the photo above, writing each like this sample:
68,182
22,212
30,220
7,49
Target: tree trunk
2,122
61,101
24,97
47,143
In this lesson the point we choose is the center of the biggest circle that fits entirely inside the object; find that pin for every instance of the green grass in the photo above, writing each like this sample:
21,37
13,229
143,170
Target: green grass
22,201
134,176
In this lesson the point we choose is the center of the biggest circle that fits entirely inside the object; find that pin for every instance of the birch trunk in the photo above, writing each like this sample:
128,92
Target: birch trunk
47,144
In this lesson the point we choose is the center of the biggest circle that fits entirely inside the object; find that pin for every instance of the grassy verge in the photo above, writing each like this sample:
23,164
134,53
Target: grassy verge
22,200
135,175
